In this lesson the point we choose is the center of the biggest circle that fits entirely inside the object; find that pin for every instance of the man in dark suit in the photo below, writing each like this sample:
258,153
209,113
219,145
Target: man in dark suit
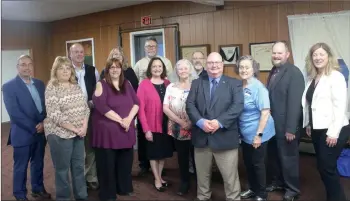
286,86
214,103
25,103
87,77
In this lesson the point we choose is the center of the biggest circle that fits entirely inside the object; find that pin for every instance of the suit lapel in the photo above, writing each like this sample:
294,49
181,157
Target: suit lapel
219,90
42,95
278,77
206,90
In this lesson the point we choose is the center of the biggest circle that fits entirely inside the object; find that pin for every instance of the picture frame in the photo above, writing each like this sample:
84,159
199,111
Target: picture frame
262,52
230,54
187,51
89,49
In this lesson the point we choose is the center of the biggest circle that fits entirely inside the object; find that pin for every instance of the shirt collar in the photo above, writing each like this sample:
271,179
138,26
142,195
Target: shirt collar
75,67
31,80
217,79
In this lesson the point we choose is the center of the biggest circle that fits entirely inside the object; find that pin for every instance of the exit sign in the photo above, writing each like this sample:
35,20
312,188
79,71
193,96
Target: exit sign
146,20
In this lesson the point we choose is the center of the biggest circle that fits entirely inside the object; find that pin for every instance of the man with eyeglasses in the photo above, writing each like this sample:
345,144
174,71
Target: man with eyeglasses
140,68
213,105
151,50
24,100
198,59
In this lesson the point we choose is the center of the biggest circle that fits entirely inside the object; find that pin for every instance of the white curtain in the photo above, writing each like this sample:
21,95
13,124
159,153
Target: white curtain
330,28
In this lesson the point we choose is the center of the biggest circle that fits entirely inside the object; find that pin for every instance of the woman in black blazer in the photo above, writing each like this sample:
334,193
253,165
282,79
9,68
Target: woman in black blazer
129,73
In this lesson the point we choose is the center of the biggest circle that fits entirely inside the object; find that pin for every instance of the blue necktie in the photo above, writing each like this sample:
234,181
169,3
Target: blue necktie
213,89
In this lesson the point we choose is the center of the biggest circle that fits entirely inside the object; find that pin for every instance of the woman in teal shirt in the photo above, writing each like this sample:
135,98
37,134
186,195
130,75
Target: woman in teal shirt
256,127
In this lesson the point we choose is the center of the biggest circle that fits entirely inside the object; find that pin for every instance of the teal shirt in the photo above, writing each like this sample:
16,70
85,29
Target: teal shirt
256,98
35,94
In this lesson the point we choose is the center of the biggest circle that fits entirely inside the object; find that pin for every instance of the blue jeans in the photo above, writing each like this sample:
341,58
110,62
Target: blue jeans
68,154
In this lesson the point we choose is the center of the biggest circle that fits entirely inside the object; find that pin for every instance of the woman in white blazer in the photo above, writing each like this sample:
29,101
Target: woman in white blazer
324,110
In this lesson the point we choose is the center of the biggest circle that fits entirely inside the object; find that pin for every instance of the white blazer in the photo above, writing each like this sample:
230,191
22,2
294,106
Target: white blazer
329,104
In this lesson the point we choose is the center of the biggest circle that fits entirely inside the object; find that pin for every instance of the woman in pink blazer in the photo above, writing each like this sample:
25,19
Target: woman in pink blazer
151,94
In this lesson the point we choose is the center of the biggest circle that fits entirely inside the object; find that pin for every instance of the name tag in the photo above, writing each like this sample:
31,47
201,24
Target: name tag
247,92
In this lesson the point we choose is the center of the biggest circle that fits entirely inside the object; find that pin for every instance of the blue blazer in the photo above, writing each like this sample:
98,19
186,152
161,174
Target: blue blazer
24,115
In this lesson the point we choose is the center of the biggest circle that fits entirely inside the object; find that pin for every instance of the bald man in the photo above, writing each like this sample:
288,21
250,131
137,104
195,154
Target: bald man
87,76
214,104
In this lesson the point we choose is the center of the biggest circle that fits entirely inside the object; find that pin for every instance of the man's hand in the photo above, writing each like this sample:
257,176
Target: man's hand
90,104
40,127
290,137
331,141
308,131
215,125
207,127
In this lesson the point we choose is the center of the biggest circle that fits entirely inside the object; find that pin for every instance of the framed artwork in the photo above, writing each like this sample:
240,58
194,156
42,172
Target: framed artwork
262,52
230,54
187,51
89,50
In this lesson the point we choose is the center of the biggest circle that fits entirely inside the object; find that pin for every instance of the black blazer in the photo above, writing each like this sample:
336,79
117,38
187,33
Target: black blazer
285,99
226,107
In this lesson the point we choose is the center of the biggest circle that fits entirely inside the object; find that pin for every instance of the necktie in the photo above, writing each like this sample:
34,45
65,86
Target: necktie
213,88
273,77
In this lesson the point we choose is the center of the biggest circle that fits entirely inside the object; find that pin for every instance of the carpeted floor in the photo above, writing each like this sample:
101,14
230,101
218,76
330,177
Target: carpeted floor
311,185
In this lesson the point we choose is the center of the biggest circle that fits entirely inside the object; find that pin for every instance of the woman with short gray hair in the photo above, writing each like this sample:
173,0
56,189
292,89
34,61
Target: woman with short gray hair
256,127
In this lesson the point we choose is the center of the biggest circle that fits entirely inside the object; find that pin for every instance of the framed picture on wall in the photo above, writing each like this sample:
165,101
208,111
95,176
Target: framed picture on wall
187,51
230,54
89,50
262,52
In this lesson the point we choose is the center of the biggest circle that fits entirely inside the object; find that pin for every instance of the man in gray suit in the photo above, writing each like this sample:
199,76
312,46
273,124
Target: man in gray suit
286,86
214,103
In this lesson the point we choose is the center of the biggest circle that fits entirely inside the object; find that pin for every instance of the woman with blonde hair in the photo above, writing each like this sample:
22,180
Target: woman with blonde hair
324,111
179,124
129,73
65,127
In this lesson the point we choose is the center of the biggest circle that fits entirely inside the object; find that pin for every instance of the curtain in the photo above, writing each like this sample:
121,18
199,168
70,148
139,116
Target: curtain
330,28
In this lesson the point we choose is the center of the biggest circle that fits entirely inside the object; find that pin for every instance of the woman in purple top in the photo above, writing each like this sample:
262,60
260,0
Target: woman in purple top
113,137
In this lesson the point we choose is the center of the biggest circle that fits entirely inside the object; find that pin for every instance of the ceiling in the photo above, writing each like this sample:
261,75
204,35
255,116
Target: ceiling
51,10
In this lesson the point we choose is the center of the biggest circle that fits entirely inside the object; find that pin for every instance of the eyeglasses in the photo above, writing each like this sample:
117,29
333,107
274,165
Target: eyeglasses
210,63
244,67
197,58
150,46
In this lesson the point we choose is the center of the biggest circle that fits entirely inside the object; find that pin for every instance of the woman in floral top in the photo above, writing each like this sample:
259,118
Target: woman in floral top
179,125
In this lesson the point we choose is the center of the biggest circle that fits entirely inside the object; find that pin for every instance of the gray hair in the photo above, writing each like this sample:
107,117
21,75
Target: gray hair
255,64
174,77
24,56
151,38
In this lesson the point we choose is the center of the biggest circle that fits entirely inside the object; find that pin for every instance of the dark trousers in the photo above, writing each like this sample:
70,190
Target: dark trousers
327,162
114,172
254,161
184,148
283,164
21,156
68,154
142,147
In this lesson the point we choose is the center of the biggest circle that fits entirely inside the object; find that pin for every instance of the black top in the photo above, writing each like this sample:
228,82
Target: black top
309,95
161,92
129,74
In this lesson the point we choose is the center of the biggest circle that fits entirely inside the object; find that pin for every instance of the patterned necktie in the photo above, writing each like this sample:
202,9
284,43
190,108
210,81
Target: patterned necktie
213,88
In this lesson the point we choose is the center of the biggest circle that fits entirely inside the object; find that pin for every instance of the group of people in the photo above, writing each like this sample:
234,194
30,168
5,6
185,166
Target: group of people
90,122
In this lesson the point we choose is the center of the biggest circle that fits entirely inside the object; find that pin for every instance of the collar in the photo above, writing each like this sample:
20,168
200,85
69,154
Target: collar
31,80
217,79
75,67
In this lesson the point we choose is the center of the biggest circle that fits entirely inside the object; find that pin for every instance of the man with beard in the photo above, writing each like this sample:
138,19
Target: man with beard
140,68
198,59
286,86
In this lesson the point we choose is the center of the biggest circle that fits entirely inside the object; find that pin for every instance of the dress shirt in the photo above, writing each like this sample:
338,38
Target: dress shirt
35,94
81,81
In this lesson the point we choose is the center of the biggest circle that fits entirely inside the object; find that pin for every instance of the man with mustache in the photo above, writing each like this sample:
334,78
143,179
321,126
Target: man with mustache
140,68
198,59
87,77
286,86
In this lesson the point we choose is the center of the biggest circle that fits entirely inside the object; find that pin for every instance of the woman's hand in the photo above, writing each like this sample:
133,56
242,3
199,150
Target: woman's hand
149,136
308,131
256,141
331,141
125,123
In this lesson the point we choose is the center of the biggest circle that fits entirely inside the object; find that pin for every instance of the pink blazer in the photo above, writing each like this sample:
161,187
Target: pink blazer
151,108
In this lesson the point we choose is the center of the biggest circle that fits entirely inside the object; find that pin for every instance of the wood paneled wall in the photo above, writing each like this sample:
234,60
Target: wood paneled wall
29,35
237,23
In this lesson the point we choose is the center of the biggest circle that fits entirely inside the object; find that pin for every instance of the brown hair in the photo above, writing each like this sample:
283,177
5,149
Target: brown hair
108,78
125,64
61,61
309,64
149,73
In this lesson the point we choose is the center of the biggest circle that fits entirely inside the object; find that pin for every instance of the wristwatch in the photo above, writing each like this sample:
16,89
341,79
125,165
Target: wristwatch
260,134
